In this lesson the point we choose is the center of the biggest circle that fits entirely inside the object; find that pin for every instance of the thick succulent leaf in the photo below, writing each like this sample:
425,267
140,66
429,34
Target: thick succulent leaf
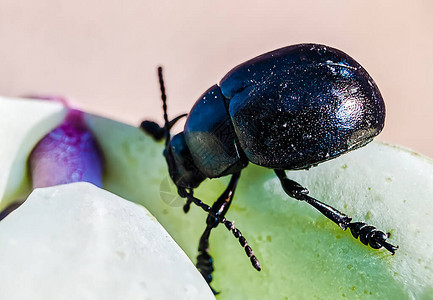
77,241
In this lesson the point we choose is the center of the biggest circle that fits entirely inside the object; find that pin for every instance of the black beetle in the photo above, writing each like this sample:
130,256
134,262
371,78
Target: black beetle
288,109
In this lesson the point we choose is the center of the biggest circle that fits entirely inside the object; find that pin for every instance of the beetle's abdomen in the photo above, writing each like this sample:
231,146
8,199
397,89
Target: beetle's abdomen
210,136
300,105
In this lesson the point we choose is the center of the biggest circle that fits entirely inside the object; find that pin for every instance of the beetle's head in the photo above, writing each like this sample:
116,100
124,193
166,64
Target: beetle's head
181,166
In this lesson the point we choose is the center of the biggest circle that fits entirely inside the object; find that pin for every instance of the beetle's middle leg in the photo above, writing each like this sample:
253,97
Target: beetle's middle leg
368,235
216,216
219,208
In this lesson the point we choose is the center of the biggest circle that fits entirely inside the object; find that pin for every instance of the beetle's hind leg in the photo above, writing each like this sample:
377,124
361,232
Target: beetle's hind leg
368,235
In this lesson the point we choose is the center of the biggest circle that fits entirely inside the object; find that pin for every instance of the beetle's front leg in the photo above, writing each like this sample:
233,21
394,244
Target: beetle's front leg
367,234
156,131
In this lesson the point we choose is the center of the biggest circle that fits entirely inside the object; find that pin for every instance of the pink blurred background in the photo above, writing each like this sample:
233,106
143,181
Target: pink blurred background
104,54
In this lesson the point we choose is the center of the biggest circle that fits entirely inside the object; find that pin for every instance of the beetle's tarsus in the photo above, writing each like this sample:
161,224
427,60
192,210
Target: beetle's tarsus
187,206
370,236
204,260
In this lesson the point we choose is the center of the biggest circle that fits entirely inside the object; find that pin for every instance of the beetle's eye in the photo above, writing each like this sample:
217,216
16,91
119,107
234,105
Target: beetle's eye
182,168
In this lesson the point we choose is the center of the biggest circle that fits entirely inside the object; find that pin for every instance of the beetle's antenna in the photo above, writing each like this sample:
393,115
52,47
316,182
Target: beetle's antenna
230,227
152,128
164,106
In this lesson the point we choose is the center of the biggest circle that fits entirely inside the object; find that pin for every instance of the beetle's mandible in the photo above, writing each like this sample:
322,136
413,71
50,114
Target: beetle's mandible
288,109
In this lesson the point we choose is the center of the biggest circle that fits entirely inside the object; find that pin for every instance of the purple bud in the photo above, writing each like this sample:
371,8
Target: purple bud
67,154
